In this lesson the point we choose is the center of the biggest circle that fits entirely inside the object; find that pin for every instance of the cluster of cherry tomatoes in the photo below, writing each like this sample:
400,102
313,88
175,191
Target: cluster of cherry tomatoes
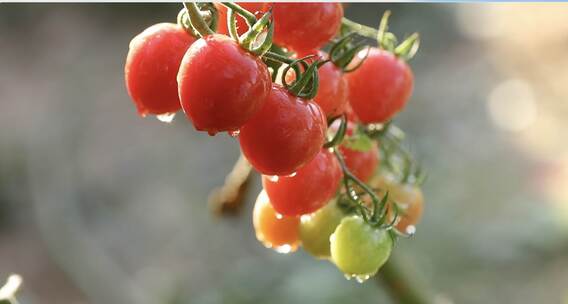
258,72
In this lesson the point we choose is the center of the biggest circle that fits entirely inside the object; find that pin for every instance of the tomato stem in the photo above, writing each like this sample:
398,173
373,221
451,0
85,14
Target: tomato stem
249,17
196,20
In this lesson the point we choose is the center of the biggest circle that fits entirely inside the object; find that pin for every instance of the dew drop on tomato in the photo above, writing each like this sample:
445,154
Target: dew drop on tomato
166,117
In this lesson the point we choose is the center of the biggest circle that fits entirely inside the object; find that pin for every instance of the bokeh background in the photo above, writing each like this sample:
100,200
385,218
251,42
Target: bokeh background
98,205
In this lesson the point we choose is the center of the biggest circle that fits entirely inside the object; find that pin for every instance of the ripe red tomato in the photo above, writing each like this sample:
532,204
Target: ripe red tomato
351,116
361,163
256,8
308,190
221,86
305,26
284,135
380,87
333,89
151,67
273,230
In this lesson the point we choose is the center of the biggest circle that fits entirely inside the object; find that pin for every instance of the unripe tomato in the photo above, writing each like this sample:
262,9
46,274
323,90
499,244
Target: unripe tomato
408,197
309,189
284,135
305,26
316,228
273,230
256,8
151,67
221,86
332,90
358,249
380,87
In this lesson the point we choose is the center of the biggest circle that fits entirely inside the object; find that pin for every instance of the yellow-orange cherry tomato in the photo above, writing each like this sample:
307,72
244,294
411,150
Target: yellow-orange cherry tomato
274,230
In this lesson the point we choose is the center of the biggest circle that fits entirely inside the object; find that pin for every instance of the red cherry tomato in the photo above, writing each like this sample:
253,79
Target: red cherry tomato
308,190
273,230
256,8
221,86
380,87
361,163
351,116
284,135
305,26
151,67
333,89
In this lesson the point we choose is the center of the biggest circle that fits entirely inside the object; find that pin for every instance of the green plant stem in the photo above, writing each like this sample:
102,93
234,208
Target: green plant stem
196,19
278,58
402,286
249,17
361,29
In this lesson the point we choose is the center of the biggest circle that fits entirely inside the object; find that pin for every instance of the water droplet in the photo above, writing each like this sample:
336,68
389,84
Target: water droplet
305,218
284,249
273,178
166,117
362,278
332,237
411,230
348,277
292,175
234,133
279,216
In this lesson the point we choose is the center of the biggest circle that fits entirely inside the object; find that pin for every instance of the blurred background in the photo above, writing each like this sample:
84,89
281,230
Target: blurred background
98,205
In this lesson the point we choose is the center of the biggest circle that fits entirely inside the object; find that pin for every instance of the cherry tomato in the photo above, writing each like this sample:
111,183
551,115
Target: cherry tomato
332,90
256,8
362,164
309,189
408,198
221,86
380,87
305,26
358,249
273,230
151,67
284,135
316,228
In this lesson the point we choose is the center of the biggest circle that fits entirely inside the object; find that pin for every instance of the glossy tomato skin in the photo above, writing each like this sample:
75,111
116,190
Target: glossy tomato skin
358,249
361,163
152,63
221,86
332,95
305,26
317,228
284,135
380,87
257,8
273,230
309,189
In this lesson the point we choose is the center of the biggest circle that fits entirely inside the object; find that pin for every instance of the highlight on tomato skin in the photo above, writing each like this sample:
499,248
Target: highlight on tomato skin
152,63
309,189
221,85
257,8
284,135
305,26
380,87
273,230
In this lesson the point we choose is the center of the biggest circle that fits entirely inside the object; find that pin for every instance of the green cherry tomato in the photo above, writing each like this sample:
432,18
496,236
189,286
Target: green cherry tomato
316,229
358,249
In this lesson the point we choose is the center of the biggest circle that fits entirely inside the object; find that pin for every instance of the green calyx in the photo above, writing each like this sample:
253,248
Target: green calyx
344,50
257,28
306,83
385,39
